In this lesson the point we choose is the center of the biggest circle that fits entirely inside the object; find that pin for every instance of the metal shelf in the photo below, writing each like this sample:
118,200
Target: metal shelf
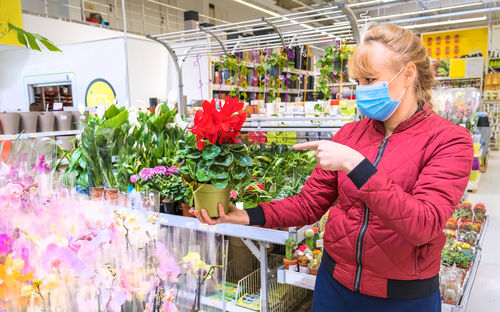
296,278
22,136
218,304
453,79
241,231
285,70
224,87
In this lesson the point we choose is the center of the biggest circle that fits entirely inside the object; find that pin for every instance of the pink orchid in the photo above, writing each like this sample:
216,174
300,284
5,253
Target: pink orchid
168,269
5,244
57,257
114,298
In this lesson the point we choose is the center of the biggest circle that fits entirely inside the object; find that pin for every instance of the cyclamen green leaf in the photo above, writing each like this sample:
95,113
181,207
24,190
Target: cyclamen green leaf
243,159
226,160
202,176
211,151
222,183
218,172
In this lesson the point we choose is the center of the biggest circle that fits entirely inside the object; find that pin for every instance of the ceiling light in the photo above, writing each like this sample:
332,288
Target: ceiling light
258,8
422,12
461,21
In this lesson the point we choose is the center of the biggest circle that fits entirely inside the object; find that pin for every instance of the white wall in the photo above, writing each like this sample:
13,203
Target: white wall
88,60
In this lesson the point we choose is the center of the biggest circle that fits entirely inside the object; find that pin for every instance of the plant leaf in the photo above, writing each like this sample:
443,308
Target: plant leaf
202,176
226,160
211,151
243,159
111,112
238,173
191,165
220,183
116,121
32,42
218,172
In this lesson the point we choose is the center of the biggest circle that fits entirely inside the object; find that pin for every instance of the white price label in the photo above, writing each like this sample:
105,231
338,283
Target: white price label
114,159
64,117
58,106
319,243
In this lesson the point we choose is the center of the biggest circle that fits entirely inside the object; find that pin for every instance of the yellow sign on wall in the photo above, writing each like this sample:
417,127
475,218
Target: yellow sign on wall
455,43
10,12
100,91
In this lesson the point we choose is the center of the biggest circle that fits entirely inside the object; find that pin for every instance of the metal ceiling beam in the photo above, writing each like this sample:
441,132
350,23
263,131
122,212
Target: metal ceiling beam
352,19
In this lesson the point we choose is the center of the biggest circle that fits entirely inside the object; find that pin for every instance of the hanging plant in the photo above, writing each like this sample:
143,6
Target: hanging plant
332,67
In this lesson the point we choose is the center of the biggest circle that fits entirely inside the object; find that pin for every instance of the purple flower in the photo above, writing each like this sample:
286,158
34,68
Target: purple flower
159,170
281,77
41,165
134,178
288,75
301,75
5,244
334,72
146,174
266,78
255,78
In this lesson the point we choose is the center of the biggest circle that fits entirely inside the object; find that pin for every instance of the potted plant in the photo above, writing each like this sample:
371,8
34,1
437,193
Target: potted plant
165,180
220,161
305,256
315,262
332,67
290,261
10,122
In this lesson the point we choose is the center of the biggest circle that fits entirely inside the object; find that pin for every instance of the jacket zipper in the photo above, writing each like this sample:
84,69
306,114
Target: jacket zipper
364,227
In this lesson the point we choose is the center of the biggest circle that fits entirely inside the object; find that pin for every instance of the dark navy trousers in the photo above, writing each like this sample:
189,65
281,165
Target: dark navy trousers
331,296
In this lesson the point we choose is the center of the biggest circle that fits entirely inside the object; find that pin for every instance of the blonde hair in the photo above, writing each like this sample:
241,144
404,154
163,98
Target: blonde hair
406,46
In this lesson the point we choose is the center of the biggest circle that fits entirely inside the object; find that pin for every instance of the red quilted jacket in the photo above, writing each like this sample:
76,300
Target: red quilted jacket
385,234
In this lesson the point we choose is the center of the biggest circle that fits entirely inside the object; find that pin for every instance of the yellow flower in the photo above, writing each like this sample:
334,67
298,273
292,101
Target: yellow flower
11,278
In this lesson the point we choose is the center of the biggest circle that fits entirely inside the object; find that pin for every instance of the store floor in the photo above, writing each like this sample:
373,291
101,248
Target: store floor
485,296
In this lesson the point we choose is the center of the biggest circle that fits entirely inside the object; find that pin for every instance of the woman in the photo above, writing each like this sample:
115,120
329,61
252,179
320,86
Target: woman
397,175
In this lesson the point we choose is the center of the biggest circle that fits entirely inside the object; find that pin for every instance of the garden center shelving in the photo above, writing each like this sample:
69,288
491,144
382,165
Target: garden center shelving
22,136
255,238
307,281
309,27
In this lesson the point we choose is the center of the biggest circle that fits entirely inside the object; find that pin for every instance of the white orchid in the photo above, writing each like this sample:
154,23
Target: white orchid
81,108
172,99
180,122
101,110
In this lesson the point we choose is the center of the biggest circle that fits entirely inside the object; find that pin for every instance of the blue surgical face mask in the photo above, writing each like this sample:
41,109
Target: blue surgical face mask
374,100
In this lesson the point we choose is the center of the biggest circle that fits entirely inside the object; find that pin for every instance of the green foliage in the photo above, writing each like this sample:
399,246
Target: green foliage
238,73
290,244
219,165
30,40
281,170
331,67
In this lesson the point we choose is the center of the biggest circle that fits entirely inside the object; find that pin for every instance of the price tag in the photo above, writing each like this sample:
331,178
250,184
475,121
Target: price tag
319,243
64,117
114,158
58,106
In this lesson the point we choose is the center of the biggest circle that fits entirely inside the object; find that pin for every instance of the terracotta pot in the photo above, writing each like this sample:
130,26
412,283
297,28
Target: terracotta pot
313,271
96,193
111,196
46,122
63,120
208,197
185,210
290,265
122,200
29,121
10,123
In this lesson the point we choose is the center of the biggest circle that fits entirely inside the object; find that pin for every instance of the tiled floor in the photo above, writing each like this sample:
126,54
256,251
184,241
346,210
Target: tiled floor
485,296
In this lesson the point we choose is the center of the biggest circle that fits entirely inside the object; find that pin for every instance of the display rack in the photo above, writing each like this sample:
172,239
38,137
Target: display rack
257,239
472,185
307,281
308,27
22,136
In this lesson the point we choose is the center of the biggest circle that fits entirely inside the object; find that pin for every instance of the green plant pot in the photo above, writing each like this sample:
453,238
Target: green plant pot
208,197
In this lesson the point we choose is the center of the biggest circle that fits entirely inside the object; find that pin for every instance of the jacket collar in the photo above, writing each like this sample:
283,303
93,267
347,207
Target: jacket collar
413,120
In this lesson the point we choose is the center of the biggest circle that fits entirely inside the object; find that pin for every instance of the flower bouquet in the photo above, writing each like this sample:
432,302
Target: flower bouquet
220,161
